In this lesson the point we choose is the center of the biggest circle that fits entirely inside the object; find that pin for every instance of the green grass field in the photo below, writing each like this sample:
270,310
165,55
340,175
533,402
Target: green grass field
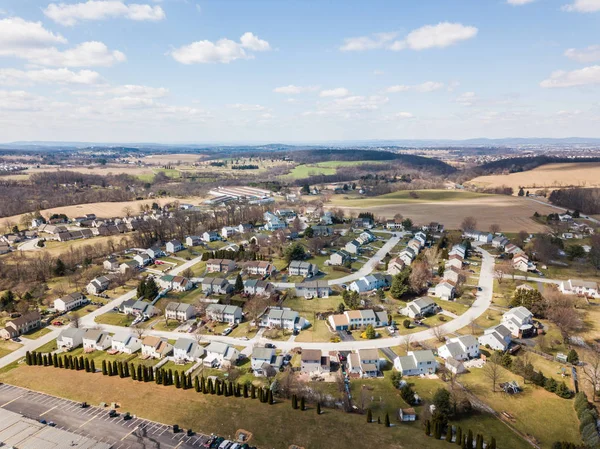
338,164
405,196
304,171
115,319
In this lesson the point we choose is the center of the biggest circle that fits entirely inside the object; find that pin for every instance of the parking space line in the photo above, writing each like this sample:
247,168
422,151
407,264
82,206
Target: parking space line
12,400
49,410
86,422
132,422
129,433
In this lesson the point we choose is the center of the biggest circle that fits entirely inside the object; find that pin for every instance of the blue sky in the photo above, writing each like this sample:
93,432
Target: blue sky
294,71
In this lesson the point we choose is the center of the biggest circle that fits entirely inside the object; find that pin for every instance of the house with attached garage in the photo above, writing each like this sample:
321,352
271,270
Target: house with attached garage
210,236
454,261
193,240
224,313
444,290
220,265
521,262
156,347
126,343
187,350
228,231
499,241
176,283
259,268
258,287
477,236
98,285
578,287
355,319
265,362
407,255
519,321
301,268
70,302
416,363
371,282
155,252
312,361
395,266
496,337
244,228
282,318
322,231
21,325
407,414
364,363
460,348
111,264
96,340
452,275
70,338
459,250
138,308
313,289
128,265
174,246
142,259
340,257
179,311
218,286
353,247
273,222
396,225
220,355
420,307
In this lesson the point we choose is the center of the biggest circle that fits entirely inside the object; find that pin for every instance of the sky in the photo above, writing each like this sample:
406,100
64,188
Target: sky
193,71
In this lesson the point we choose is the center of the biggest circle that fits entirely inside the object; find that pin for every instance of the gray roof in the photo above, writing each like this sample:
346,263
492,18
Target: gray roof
217,347
424,355
186,344
423,302
263,353
222,308
71,332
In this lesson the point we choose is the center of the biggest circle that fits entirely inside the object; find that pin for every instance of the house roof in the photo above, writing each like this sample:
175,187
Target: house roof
310,355
425,355
339,320
71,332
368,354
217,347
423,302
25,318
263,353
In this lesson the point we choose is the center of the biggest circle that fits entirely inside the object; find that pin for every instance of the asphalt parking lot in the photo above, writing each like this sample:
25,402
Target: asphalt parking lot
94,421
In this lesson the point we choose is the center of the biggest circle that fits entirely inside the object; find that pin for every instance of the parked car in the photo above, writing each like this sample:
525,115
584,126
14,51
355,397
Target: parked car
84,405
127,416
226,331
51,424
113,414
43,421
269,345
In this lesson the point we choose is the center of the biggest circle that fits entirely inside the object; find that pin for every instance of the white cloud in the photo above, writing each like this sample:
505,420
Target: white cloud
428,86
19,100
49,76
403,115
519,2
582,77
70,14
589,54
467,99
139,91
362,43
291,89
349,107
583,6
442,35
337,92
222,51
247,107
378,72
32,42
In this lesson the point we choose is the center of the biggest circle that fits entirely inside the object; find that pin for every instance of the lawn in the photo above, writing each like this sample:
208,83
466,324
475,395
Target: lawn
115,319
337,164
318,331
304,171
536,411
308,306
272,425
8,346
406,196
451,306
37,333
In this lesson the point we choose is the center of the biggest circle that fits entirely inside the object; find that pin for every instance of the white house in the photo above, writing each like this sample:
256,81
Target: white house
313,289
228,231
98,285
220,265
273,222
371,282
210,236
354,319
497,337
340,258
187,350
519,321
460,348
499,241
142,259
407,255
420,307
479,236
265,362
70,338
219,286
416,363
224,313
258,287
364,362
193,240
301,268
312,361
282,318
156,347
155,252
70,302
259,268
521,262
580,288
220,355
352,247
111,264
444,290
126,343
395,266
96,340
174,246
180,311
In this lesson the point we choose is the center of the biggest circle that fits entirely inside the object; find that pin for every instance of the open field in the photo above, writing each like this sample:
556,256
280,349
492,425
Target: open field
406,196
8,346
549,175
304,171
510,213
103,210
163,159
272,425
92,170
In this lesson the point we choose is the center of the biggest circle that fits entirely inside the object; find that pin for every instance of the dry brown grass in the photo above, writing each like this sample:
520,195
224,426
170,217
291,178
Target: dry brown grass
549,175
93,170
163,159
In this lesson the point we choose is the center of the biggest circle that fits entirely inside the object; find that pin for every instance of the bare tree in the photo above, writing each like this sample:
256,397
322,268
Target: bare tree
438,332
420,276
74,318
139,331
560,309
492,370
473,325
407,342
591,371
469,224
501,270
494,228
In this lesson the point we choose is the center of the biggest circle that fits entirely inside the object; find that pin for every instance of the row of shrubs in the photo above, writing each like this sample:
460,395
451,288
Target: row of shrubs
466,440
588,417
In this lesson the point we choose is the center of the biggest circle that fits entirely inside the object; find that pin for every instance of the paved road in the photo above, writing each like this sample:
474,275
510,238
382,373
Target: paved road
94,422
545,203
29,245
28,345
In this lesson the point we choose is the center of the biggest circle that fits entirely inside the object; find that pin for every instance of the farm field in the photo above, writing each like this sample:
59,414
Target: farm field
304,171
512,214
91,170
272,425
549,175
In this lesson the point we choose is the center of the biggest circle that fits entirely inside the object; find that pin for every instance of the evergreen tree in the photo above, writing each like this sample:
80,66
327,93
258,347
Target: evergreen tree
177,380
104,369
87,365
189,380
253,391
28,358
245,390
302,404
211,386
145,374
270,398
125,369
400,283
370,416
196,384
139,373
437,430
203,385
55,360
109,366
427,428
294,402
459,437
470,439
449,434
479,442
152,289
59,268
492,444
159,377
60,362
39,359
239,284
387,420
133,372
45,359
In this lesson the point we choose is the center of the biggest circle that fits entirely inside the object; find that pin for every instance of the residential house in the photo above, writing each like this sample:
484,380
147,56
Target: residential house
364,362
142,259
187,350
496,337
352,247
362,223
407,255
354,319
420,307
179,311
371,282
407,414
177,283
265,362
444,290
111,264
273,222
479,236
128,265
138,308
581,288
395,266
258,287
312,361
499,241
224,313
220,355
210,236
21,325
244,228
174,246
519,322
454,366
155,252
70,338
70,302
416,363
259,267
4,248
156,347
460,348
220,265
340,258
459,250
98,285
282,318
326,218
96,340
451,275
228,232
521,262
193,240
301,268
512,249
421,237
395,225
322,231
218,286
454,261
313,289
126,343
